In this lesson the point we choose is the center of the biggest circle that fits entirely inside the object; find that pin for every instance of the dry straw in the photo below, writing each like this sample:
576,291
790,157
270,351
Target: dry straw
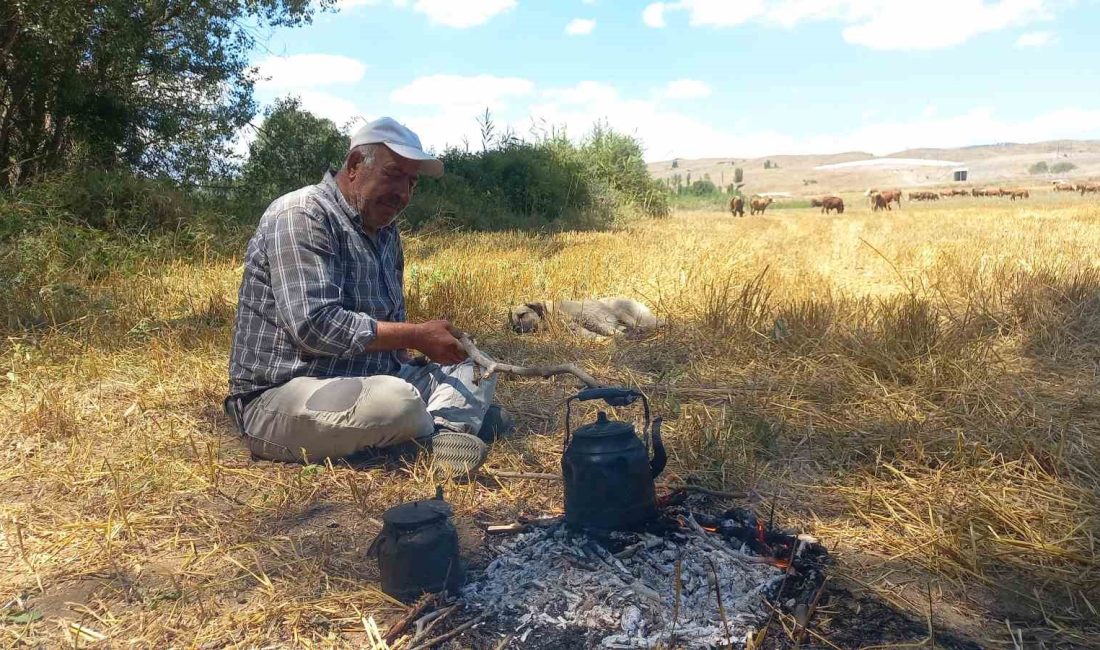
918,389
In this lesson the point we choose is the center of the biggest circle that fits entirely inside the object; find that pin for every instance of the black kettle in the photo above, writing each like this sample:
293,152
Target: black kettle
607,471
417,549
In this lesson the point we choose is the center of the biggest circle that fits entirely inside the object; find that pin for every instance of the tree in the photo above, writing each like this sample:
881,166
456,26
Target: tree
702,188
292,149
1062,167
1038,168
738,175
158,86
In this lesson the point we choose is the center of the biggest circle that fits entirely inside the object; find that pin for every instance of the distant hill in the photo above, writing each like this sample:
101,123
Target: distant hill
988,164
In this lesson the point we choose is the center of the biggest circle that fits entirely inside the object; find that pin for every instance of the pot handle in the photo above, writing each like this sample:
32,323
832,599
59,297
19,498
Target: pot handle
612,397
372,550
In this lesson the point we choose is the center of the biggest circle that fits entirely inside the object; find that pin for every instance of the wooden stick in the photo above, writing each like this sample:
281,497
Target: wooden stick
505,529
688,487
414,613
490,365
453,633
426,623
803,626
718,595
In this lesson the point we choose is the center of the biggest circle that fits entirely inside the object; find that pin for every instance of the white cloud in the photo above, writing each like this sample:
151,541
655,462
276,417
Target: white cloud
668,133
308,70
977,126
654,15
339,110
686,89
459,14
1035,39
464,92
876,24
580,26
939,23
351,4
462,13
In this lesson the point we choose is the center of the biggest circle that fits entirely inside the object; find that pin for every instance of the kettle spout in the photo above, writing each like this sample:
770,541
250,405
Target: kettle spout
660,458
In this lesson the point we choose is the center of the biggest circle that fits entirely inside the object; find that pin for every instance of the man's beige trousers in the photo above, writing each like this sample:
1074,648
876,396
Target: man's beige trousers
309,419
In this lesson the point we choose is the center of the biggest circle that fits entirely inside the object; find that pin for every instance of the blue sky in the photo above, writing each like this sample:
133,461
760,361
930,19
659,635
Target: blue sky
697,78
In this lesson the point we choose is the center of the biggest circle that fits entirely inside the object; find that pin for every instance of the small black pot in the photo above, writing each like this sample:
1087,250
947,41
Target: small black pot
417,550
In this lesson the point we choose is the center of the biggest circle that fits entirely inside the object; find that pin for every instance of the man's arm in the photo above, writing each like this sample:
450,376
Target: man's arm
435,338
302,258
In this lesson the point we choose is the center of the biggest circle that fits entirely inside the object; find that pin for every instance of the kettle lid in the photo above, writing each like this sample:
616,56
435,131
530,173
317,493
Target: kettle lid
603,428
417,513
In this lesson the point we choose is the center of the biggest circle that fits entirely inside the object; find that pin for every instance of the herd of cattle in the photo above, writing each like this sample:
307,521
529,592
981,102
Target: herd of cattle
1083,188
883,199
977,191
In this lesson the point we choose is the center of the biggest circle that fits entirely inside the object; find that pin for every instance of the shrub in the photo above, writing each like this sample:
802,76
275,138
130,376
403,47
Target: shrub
549,182
517,185
703,187
101,200
1038,168
1062,167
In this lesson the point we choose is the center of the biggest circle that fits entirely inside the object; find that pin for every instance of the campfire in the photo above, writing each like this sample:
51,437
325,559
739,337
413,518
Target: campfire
624,567
689,579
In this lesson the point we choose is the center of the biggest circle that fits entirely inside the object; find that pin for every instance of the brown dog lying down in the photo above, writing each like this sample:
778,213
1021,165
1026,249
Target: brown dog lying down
593,318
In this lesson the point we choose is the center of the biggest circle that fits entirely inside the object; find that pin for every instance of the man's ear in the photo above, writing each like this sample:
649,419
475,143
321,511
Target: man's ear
352,161
538,307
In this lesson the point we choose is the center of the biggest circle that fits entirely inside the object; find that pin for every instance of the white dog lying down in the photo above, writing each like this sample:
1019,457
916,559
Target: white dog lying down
592,318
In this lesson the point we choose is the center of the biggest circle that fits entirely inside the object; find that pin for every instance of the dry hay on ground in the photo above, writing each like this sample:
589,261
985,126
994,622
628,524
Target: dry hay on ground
918,389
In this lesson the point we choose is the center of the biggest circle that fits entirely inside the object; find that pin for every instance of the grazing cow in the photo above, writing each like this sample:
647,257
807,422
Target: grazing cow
1088,188
924,196
1065,187
1019,194
758,205
737,206
832,203
892,196
879,202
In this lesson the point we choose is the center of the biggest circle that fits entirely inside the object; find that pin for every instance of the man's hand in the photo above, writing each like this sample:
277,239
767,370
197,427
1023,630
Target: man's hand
437,339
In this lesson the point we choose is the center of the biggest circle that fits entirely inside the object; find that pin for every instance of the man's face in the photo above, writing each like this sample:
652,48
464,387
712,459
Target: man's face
381,190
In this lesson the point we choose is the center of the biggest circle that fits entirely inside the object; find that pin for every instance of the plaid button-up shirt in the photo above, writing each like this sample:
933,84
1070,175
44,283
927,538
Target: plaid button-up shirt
315,286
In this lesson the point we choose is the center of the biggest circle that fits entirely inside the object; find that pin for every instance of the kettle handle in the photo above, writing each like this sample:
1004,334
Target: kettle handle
612,397
660,458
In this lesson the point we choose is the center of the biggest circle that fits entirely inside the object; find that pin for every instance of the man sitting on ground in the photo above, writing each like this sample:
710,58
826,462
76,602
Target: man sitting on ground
319,366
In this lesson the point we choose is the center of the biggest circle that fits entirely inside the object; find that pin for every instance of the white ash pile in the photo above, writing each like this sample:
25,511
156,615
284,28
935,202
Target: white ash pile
654,590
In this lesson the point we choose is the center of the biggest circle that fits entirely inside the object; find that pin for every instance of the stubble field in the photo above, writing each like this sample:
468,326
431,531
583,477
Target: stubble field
919,389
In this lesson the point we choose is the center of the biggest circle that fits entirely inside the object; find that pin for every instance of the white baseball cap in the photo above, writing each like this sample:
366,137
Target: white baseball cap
402,141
